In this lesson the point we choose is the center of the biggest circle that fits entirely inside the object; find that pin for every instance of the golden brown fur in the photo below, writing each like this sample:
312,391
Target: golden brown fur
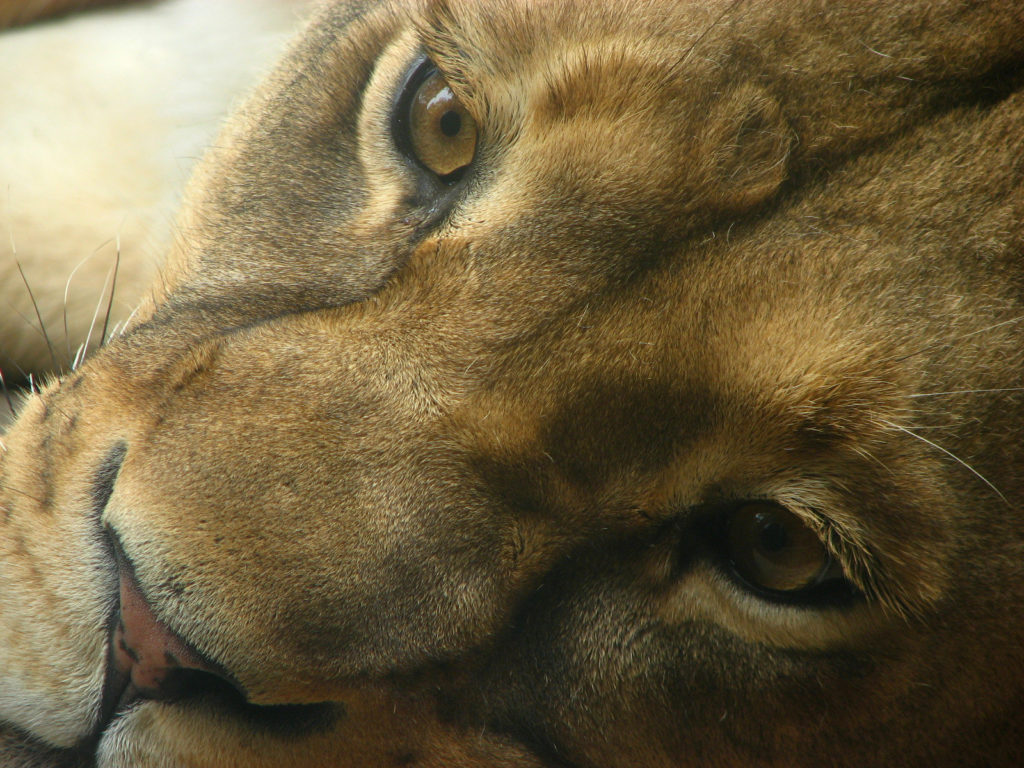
15,12
432,475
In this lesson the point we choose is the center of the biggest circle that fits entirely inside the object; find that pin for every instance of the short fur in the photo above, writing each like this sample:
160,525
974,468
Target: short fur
426,470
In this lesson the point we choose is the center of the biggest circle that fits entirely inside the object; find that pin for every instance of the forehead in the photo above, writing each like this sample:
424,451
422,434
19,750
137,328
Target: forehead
594,154
546,62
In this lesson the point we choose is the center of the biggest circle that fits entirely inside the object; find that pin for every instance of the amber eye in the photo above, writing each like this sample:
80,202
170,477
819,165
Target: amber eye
442,134
773,549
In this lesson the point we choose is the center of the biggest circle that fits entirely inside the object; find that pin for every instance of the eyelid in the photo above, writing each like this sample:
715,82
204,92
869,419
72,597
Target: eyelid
708,593
421,68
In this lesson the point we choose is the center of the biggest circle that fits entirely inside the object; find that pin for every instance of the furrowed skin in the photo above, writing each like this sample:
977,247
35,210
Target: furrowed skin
445,471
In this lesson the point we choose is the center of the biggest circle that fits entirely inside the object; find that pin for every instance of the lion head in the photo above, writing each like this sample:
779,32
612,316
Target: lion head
555,384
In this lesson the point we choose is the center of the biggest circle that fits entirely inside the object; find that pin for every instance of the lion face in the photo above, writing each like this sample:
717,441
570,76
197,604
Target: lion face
555,384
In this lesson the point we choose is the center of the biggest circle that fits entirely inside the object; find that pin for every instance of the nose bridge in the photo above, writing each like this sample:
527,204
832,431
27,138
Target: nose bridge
310,457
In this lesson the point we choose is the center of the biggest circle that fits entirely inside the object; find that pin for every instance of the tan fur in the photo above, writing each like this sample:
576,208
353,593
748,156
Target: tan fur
15,12
427,473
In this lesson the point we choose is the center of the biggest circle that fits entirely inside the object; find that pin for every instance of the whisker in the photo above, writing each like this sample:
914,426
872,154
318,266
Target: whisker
96,313
67,290
870,456
128,320
967,392
79,353
113,287
21,371
12,489
951,455
119,327
39,316
992,327
30,324
951,342
7,395
707,30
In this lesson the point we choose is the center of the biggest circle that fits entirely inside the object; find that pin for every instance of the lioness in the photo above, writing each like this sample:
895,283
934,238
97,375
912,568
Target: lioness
555,383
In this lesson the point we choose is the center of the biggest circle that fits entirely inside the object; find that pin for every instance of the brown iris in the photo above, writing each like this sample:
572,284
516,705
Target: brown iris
773,549
442,133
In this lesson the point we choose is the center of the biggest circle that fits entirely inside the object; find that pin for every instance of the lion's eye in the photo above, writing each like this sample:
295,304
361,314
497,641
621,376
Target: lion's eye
773,549
442,134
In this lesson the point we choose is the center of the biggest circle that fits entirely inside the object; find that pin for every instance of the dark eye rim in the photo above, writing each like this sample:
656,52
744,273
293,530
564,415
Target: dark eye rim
838,592
418,73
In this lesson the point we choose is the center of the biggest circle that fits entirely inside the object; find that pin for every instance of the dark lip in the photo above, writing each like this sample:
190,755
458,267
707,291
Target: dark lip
102,487
210,682
118,692
116,695
214,684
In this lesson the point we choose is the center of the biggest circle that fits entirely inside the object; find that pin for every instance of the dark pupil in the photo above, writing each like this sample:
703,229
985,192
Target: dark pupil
451,123
772,537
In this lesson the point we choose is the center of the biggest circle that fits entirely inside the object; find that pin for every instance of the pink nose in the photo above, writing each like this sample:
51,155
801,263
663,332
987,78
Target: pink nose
145,650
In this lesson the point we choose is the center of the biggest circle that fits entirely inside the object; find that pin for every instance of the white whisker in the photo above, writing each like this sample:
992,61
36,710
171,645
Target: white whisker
67,291
78,357
967,392
951,455
949,343
96,313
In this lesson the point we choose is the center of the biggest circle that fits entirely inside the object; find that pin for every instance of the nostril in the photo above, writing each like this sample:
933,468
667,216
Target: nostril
149,660
146,648
153,661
